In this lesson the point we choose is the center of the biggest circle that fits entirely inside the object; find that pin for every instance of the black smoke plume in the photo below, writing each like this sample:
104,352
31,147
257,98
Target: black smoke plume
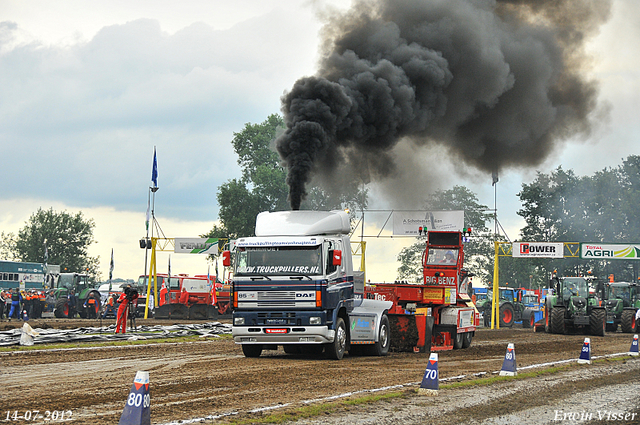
496,82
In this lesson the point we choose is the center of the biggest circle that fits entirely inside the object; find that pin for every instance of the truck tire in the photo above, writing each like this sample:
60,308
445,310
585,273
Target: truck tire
466,339
252,350
557,320
598,321
61,310
458,339
381,348
628,321
335,350
506,315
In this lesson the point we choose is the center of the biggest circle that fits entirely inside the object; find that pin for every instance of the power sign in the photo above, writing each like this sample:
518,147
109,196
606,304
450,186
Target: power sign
538,250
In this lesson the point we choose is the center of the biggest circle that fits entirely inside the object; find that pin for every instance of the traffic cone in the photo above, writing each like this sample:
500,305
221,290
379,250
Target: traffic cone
585,354
633,351
509,363
430,381
137,411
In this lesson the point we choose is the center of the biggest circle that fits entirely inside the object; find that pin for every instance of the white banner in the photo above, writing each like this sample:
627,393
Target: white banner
600,251
196,246
537,250
408,223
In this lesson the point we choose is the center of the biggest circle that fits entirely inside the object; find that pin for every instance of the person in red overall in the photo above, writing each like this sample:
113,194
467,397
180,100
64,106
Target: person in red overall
129,295
163,295
184,296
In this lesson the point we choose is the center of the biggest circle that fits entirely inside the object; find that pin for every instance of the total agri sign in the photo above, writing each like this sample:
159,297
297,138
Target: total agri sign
598,251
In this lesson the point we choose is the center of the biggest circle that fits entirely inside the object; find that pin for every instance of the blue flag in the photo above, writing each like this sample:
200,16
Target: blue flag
154,171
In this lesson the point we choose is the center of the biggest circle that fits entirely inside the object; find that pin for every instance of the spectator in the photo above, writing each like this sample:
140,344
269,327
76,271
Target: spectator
2,304
50,301
16,300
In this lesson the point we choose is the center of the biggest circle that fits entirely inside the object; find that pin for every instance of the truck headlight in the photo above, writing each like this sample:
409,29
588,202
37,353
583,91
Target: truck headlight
238,320
314,320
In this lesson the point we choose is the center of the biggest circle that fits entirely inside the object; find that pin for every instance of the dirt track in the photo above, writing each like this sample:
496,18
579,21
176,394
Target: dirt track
191,380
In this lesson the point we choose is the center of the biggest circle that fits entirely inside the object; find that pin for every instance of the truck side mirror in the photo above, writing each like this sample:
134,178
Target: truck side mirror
226,258
337,257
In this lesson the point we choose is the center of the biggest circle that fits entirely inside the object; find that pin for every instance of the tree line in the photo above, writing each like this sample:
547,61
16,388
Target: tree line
557,207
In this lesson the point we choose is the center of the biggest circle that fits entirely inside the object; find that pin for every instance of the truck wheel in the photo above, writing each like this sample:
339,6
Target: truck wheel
598,322
457,340
628,321
506,315
557,320
252,350
381,348
466,339
335,350
61,310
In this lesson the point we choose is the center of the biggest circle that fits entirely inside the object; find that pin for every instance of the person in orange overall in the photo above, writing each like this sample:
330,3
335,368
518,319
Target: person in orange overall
184,296
129,295
163,295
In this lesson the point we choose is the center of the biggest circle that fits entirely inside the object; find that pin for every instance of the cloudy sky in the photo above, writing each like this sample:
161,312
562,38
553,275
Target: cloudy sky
89,88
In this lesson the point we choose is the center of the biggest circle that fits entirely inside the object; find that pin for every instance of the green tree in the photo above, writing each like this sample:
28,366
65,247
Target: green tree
478,252
263,187
563,207
68,237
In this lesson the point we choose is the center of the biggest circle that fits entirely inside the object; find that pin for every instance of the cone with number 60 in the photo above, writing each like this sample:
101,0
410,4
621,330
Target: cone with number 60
137,411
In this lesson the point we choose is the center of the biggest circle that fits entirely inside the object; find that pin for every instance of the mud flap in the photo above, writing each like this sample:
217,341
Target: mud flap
410,332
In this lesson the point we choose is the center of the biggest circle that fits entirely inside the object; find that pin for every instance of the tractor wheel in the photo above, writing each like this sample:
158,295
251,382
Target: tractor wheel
252,350
527,319
335,350
381,348
458,340
466,339
506,316
547,319
61,310
628,321
598,322
557,320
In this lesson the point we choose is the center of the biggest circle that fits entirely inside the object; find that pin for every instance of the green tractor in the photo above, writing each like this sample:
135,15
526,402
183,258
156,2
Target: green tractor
79,285
512,308
573,307
622,303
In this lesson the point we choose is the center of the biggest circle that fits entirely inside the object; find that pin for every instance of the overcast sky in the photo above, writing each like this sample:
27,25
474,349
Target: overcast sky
89,88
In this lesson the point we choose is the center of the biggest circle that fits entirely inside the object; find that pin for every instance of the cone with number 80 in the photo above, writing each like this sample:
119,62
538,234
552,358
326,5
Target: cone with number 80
137,411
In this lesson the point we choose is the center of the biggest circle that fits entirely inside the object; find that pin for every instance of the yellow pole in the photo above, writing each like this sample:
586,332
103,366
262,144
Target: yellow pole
152,267
495,307
363,246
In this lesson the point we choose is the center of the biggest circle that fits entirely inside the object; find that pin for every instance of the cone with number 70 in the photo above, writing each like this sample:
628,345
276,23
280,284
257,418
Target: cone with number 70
430,381
137,411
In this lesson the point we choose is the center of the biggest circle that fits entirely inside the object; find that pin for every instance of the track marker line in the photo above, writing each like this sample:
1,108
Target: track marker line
391,387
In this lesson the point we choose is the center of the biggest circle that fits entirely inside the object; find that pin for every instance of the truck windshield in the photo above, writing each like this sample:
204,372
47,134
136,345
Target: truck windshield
277,260
442,256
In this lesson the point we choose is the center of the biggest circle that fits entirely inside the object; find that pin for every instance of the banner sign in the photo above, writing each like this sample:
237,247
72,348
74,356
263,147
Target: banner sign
618,251
537,250
407,223
196,246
